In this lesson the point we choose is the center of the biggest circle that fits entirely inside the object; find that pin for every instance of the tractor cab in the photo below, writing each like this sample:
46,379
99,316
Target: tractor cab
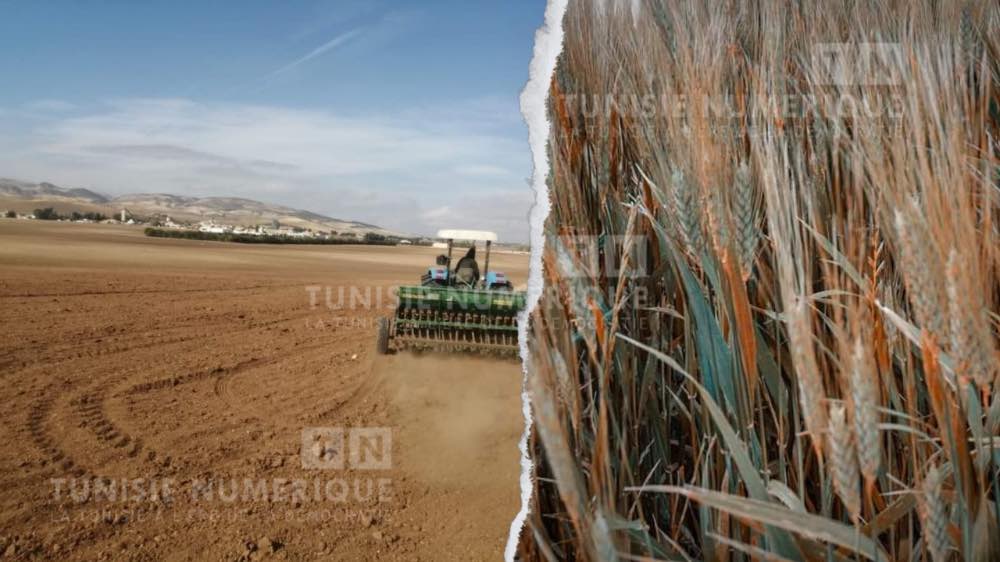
466,272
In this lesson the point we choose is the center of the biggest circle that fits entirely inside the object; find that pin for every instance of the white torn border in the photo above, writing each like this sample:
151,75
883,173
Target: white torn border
534,97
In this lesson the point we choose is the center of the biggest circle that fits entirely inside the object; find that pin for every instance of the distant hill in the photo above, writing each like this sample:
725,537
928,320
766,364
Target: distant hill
22,190
228,210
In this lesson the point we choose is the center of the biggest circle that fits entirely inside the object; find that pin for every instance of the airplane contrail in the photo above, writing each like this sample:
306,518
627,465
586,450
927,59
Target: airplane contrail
331,44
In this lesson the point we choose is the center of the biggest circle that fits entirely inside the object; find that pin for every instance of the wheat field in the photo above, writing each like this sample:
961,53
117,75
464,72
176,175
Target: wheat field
770,323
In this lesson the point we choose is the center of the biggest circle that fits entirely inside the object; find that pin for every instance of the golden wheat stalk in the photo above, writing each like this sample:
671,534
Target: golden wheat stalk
812,395
907,184
921,265
971,341
843,460
746,219
864,399
934,516
687,212
718,219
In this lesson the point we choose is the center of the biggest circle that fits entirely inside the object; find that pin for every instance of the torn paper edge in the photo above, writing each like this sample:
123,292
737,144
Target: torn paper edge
534,99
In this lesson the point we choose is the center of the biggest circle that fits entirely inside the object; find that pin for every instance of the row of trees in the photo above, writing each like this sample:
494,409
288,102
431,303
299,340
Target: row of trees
50,214
261,238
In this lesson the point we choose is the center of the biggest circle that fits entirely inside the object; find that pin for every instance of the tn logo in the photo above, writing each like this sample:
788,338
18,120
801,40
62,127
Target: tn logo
336,448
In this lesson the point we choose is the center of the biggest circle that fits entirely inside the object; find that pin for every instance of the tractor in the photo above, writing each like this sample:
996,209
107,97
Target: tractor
455,308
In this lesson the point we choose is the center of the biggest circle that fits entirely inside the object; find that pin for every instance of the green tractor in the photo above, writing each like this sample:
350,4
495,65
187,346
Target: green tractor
456,309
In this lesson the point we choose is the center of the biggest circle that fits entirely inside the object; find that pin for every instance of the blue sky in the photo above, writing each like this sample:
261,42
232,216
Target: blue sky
399,113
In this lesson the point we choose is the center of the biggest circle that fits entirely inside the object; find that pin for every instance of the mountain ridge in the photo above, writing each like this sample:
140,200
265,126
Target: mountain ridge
232,210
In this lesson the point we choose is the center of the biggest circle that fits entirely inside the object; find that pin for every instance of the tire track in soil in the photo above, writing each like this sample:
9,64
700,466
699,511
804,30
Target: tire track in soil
88,410
98,404
85,350
222,388
58,464
54,455
94,417
89,407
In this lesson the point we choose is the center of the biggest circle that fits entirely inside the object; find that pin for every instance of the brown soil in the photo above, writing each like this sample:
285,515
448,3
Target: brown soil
196,366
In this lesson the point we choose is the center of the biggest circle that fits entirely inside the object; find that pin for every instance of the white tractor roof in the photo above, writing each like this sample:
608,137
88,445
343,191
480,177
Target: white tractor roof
477,235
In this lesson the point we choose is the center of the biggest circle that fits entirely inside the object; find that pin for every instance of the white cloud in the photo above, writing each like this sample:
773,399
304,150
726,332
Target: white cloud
49,106
388,170
481,170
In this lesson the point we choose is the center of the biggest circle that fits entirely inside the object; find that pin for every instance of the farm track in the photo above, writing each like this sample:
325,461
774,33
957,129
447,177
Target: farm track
211,378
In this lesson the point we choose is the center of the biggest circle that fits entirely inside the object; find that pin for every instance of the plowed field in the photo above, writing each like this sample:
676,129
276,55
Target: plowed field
156,392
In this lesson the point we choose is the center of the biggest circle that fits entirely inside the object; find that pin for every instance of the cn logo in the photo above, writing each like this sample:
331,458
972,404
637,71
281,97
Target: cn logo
336,448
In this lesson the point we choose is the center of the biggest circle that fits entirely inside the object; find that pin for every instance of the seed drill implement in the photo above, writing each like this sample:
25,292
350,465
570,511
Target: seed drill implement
454,308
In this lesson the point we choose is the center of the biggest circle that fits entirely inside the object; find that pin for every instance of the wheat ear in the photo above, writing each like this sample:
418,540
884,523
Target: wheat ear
843,461
921,264
971,341
745,215
688,212
864,397
934,516
803,354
